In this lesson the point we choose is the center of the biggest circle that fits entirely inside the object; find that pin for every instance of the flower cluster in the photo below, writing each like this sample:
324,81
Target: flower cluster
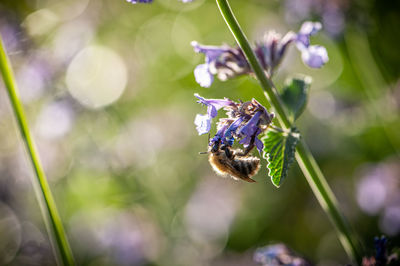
244,121
382,254
279,254
226,62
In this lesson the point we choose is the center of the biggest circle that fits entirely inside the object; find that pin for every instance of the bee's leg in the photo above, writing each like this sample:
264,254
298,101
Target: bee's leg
248,148
228,151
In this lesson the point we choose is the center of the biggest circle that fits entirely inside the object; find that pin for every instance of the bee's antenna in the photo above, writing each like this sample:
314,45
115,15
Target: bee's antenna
208,143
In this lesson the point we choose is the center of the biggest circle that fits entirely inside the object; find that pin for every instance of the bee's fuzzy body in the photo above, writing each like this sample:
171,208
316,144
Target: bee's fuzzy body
233,165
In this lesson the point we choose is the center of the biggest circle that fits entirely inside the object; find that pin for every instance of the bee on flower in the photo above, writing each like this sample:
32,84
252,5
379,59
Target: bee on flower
245,121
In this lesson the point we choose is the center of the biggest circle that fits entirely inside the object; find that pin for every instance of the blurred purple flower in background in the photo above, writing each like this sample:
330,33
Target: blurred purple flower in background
245,121
278,255
150,1
330,12
382,254
226,62
139,1
315,56
378,193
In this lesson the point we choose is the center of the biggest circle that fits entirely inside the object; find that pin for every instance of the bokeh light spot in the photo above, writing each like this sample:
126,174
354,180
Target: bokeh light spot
55,120
10,232
96,77
40,22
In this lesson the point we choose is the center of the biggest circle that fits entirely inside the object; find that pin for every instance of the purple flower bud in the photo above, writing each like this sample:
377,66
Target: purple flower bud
271,50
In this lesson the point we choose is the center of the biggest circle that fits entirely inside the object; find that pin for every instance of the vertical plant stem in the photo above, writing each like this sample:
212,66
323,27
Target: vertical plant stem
56,229
304,158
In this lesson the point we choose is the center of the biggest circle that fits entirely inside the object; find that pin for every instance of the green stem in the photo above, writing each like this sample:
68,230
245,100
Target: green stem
51,216
304,158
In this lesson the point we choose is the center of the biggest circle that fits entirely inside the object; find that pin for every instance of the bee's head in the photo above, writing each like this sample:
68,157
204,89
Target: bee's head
215,146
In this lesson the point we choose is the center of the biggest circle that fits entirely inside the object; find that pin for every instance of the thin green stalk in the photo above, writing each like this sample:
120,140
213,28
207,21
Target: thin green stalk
304,158
56,229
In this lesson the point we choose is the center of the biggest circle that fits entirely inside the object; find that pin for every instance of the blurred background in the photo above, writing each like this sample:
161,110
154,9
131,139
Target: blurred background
108,88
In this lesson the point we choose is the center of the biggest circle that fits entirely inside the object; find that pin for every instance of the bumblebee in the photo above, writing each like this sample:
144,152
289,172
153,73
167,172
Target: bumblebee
235,163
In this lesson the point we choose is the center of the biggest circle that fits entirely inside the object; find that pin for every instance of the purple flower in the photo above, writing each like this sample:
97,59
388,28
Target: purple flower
307,29
258,123
330,12
314,56
278,254
223,61
227,62
139,1
203,122
203,75
244,122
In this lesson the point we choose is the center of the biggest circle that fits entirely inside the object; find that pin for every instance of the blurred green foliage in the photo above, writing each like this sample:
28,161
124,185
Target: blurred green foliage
127,177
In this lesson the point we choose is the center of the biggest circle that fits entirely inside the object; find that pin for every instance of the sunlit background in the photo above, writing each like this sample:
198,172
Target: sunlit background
108,88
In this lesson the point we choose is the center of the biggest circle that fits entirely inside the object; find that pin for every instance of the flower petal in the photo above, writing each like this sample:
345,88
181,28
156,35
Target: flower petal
303,36
203,124
211,52
233,127
259,145
314,56
245,141
217,103
212,111
203,76
251,126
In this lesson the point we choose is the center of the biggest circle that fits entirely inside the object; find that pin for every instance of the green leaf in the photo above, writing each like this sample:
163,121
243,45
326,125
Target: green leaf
294,95
279,150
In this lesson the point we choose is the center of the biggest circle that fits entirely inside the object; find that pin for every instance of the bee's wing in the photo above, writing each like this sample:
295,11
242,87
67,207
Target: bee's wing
236,173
